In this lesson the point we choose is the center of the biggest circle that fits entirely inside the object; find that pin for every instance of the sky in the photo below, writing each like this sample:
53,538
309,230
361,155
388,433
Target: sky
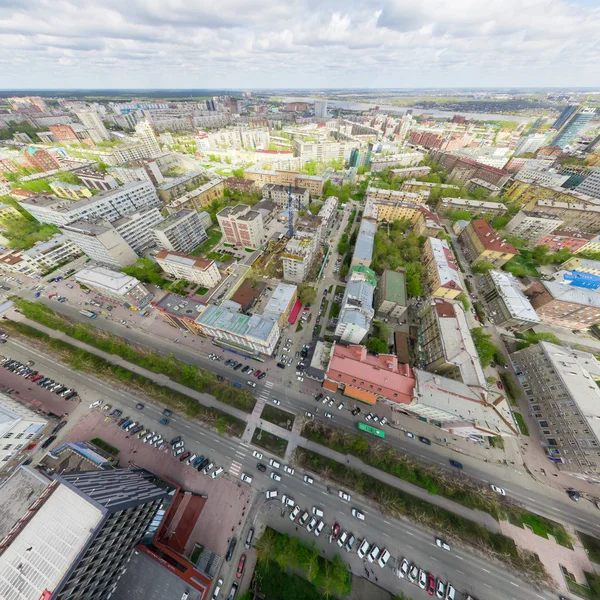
249,44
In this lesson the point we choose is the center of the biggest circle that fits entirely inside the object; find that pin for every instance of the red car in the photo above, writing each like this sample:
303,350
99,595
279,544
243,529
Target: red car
335,532
240,568
430,584
184,456
257,373
499,384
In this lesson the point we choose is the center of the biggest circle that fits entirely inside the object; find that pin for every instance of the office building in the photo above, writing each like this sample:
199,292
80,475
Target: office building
408,159
116,286
570,123
480,243
191,268
533,226
564,399
591,184
41,159
530,143
541,176
356,313
321,109
19,427
70,190
440,269
94,125
446,345
565,305
279,195
256,334
241,226
110,205
78,534
508,306
363,249
180,312
390,294
180,232
473,207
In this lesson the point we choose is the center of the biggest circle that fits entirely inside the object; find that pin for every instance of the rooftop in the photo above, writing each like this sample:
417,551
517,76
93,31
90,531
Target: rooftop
227,319
516,301
569,293
195,262
281,298
173,219
445,263
488,238
113,280
363,249
180,306
474,203
167,185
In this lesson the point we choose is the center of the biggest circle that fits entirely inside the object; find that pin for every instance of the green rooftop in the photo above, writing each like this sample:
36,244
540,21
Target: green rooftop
394,286
370,275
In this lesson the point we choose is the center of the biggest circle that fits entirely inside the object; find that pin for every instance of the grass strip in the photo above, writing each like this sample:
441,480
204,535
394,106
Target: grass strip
521,423
281,418
105,446
269,441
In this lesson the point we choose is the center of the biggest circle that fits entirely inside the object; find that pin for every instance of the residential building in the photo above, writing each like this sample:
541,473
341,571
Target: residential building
200,197
409,172
237,184
564,398
356,313
116,286
583,265
412,185
241,226
565,305
256,334
440,269
528,193
570,123
81,525
363,249
323,151
94,125
180,312
541,176
145,134
474,207
282,302
591,184
480,243
416,197
180,232
136,228
299,255
446,345
63,133
358,158
174,188
101,242
461,168
533,226
110,205
439,139
206,220
138,170
321,109
191,268
508,306
9,213
573,240
283,177
367,378
41,159
95,180
327,213
279,195
19,427
390,294
574,215
5,188
475,185
70,190
408,159
240,137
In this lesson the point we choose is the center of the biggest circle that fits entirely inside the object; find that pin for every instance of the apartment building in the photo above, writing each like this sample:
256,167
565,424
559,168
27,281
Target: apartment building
323,151
9,213
82,527
327,213
19,427
240,137
63,133
94,125
263,177
363,249
416,197
409,172
41,159
528,194
255,335
148,140
574,215
508,306
136,228
299,255
356,313
70,190
182,231
191,268
199,198
241,226
408,159
446,345
573,240
95,180
110,205
441,269
473,207
412,185
565,305
282,302
480,243
174,188
241,185
461,168
583,265
439,139
116,286
390,295
533,226
541,176
591,184
279,195
564,398
138,170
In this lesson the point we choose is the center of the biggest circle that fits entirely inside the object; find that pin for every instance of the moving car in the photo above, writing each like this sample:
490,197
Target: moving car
308,479
257,454
273,463
498,490
344,496
139,406
270,494
276,402
275,476
573,494
289,470
424,440
261,467
442,544
455,463
357,514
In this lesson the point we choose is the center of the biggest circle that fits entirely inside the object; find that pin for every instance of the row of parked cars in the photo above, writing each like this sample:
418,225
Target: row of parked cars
236,366
426,581
200,462
27,371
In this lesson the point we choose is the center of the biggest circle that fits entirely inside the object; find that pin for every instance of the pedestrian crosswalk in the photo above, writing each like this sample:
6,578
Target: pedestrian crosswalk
235,468
269,384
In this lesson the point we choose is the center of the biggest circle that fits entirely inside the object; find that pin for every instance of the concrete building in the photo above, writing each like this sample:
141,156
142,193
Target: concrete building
94,125
530,143
474,207
416,197
321,109
527,194
241,226
480,243
115,286
409,172
262,177
282,302
191,268
327,213
408,159
584,265
70,190
446,345
180,312
323,151
63,133
591,184
299,255
390,294
199,198
441,269
41,159
240,137
180,232
101,242
565,305
418,187
356,313
80,525
571,239
19,427
110,205
508,306
279,195
174,188
542,176
136,228
569,124
9,213
256,334
95,180
148,140
241,185
363,249
463,169
564,399
532,226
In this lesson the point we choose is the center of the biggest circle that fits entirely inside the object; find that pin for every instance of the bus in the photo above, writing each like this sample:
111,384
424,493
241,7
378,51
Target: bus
371,430
88,313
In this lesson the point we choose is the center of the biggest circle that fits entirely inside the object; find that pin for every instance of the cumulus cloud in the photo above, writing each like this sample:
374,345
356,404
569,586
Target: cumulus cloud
304,44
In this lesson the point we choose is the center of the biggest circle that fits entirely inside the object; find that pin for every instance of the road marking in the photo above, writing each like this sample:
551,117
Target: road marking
409,546
513,583
528,498
432,558
387,522
410,533
461,558
458,571
485,570
386,535
235,468
488,585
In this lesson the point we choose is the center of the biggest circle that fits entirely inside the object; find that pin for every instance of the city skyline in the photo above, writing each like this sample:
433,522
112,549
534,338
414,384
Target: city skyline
327,45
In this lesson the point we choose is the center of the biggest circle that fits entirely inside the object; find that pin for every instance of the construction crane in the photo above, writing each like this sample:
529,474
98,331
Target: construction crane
291,211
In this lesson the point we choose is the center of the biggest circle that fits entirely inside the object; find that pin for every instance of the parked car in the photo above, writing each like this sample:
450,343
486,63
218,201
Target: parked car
240,567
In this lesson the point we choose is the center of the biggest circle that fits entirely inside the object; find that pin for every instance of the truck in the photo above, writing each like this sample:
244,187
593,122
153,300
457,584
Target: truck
88,313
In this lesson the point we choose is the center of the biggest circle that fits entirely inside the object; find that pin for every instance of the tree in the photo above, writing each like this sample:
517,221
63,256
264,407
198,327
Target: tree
239,173
68,177
377,345
381,330
465,301
266,545
483,266
306,294
484,346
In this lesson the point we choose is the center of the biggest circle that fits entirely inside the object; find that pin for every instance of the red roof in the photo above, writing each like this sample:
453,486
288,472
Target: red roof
490,239
295,312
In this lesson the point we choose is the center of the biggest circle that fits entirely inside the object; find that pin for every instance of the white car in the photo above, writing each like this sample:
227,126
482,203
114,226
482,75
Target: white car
440,589
208,467
450,591
252,384
216,473
329,415
288,470
340,406
383,421
331,402
319,528
383,559
309,415
276,402
274,464
299,378
303,518
308,479
325,400
294,513
344,496
359,515
413,573
363,549
422,579
287,501
498,490
373,554
311,525
270,494
342,539
257,454
369,416
442,544
246,478
97,403
402,572
275,476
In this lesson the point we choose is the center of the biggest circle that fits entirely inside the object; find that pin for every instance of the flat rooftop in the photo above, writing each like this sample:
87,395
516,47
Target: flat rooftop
226,319
180,306
173,219
515,300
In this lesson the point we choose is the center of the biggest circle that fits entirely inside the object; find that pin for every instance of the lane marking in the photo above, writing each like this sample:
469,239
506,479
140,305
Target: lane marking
436,560
485,570
410,533
461,558
513,583
488,585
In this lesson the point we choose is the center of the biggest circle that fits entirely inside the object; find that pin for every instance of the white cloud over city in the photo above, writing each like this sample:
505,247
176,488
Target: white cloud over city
306,43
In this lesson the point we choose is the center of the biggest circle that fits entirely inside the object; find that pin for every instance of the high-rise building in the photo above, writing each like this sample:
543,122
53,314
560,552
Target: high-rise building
180,232
241,226
78,534
149,141
591,184
321,109
41,159
570,122
94,125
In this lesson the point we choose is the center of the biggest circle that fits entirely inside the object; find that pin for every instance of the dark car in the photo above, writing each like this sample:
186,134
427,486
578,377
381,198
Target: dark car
574,495
184,456
257,372
231,549
262,375
136,429
233,592
167,413
281,365
175,440
319,397
123,420
48,441
139,406
425,440
228,362
261,467
238,366
356,411
203,464
164,421
116,413
456,464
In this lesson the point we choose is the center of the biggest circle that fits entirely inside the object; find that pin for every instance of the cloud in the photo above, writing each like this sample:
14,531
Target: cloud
304,44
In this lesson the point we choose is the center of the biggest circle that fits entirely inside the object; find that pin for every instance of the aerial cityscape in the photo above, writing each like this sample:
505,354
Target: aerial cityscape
299,302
